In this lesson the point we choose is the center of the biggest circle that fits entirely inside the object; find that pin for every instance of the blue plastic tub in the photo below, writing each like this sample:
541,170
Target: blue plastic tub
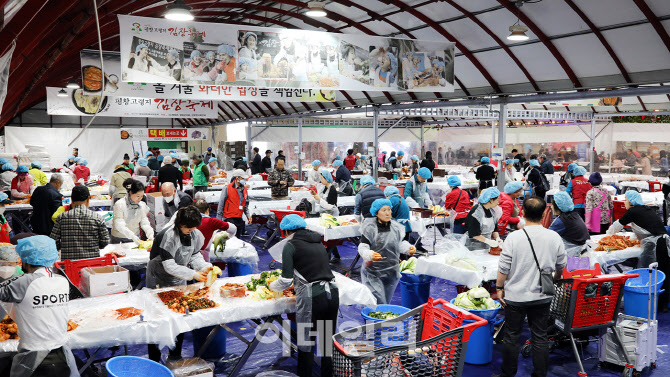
480,345
239,269
636,293
132,366
396,334
487,314
216,349
414,289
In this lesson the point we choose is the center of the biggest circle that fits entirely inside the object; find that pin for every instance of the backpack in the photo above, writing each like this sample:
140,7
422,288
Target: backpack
304,205
545,182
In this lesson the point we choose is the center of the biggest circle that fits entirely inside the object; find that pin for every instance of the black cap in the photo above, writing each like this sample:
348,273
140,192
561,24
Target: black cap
126,157
80,193
268,151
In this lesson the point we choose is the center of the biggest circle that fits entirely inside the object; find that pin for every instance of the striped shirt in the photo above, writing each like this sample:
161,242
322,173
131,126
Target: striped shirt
80,234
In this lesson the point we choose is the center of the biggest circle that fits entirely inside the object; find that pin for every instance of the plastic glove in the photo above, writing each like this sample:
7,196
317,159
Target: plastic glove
136,239
615,228
232,230
491,243
521,224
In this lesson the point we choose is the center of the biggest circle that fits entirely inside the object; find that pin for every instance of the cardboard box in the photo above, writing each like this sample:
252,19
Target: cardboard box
100,281
194,367
157,217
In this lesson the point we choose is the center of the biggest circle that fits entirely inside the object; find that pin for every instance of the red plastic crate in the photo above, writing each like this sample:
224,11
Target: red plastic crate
72,268
654,186
264,176
280,214
619,209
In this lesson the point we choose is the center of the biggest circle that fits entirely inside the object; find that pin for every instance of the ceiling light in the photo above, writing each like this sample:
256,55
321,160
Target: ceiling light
179,11
72,85
62,93
518,32
316,9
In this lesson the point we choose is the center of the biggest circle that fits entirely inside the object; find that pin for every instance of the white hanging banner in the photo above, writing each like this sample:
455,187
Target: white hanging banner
5,61
165,134
159,50
78,103
92,76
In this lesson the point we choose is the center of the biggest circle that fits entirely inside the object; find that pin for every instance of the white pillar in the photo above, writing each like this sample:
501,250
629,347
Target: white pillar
502,141
300,148
423,146
592,145
248,149
375,126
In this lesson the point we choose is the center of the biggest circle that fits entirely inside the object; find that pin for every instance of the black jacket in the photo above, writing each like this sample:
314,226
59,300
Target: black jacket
256,164
266,164
184,201
305,253
168,173
430,164
240,164
154,164
368,196
45,201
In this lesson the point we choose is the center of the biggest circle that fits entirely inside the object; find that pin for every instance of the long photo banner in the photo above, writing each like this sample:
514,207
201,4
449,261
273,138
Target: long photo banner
76,102
200,53
92,84
165,134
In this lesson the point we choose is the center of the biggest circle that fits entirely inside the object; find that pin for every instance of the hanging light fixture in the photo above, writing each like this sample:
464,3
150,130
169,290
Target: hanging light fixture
72,85
62,93
316,9
518,32
179,11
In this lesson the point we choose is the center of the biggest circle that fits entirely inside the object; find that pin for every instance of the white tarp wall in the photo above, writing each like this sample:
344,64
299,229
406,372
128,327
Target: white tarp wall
102,147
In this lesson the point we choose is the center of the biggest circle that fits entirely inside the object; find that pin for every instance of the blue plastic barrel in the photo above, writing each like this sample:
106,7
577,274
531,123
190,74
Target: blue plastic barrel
216,349
636,293
480,345
414,289
392,335
239,269
133,366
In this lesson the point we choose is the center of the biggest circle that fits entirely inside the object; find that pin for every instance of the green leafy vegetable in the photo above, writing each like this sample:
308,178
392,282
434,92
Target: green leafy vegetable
219,242
477,299
408,265
264,280
383,315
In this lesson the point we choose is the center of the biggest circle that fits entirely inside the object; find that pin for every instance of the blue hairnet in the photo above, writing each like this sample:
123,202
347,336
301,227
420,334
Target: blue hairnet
367,180
579,171
149,153
488,195
195,53
247,35
173,155
337,163
394,62
8,166
634,198
414,158
338,157
509,162
212,53
139,47
512,187
142,162
36,164
77,159
326,174
292,222
378,204
401,153
454,181
384,152
83,162
3,197
390,191
3,161
425,173
364,157
534,163
211,159
174,53
226,49
71,158
248,61
516,160
572,166
391,159
37,250
486,160
160,158
564,201
316,163
22,169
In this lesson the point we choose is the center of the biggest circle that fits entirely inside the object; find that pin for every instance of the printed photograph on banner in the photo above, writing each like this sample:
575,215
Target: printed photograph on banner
323,61
384,65
265,56
88,103
354,62
424,69
155,58
92,76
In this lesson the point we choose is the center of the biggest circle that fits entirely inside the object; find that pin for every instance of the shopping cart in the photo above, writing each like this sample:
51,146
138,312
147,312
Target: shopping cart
430,340
584,301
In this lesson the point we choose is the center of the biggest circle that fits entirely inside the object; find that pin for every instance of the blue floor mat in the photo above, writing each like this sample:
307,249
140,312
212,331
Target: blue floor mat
269,356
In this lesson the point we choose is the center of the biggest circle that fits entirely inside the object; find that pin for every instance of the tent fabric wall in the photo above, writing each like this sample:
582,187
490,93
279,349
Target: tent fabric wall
102,147
325,134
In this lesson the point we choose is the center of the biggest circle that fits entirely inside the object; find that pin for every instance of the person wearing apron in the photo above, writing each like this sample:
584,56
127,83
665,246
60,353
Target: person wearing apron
40,309
130,214
649,229
305,265
569,224
380,247
481,224
485,174
510,207
327,200
457,203
399,209
567,177
175,259
313,176
416,190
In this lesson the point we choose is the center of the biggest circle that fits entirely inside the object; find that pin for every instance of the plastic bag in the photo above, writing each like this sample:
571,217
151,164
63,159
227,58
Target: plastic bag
236,251
452,244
